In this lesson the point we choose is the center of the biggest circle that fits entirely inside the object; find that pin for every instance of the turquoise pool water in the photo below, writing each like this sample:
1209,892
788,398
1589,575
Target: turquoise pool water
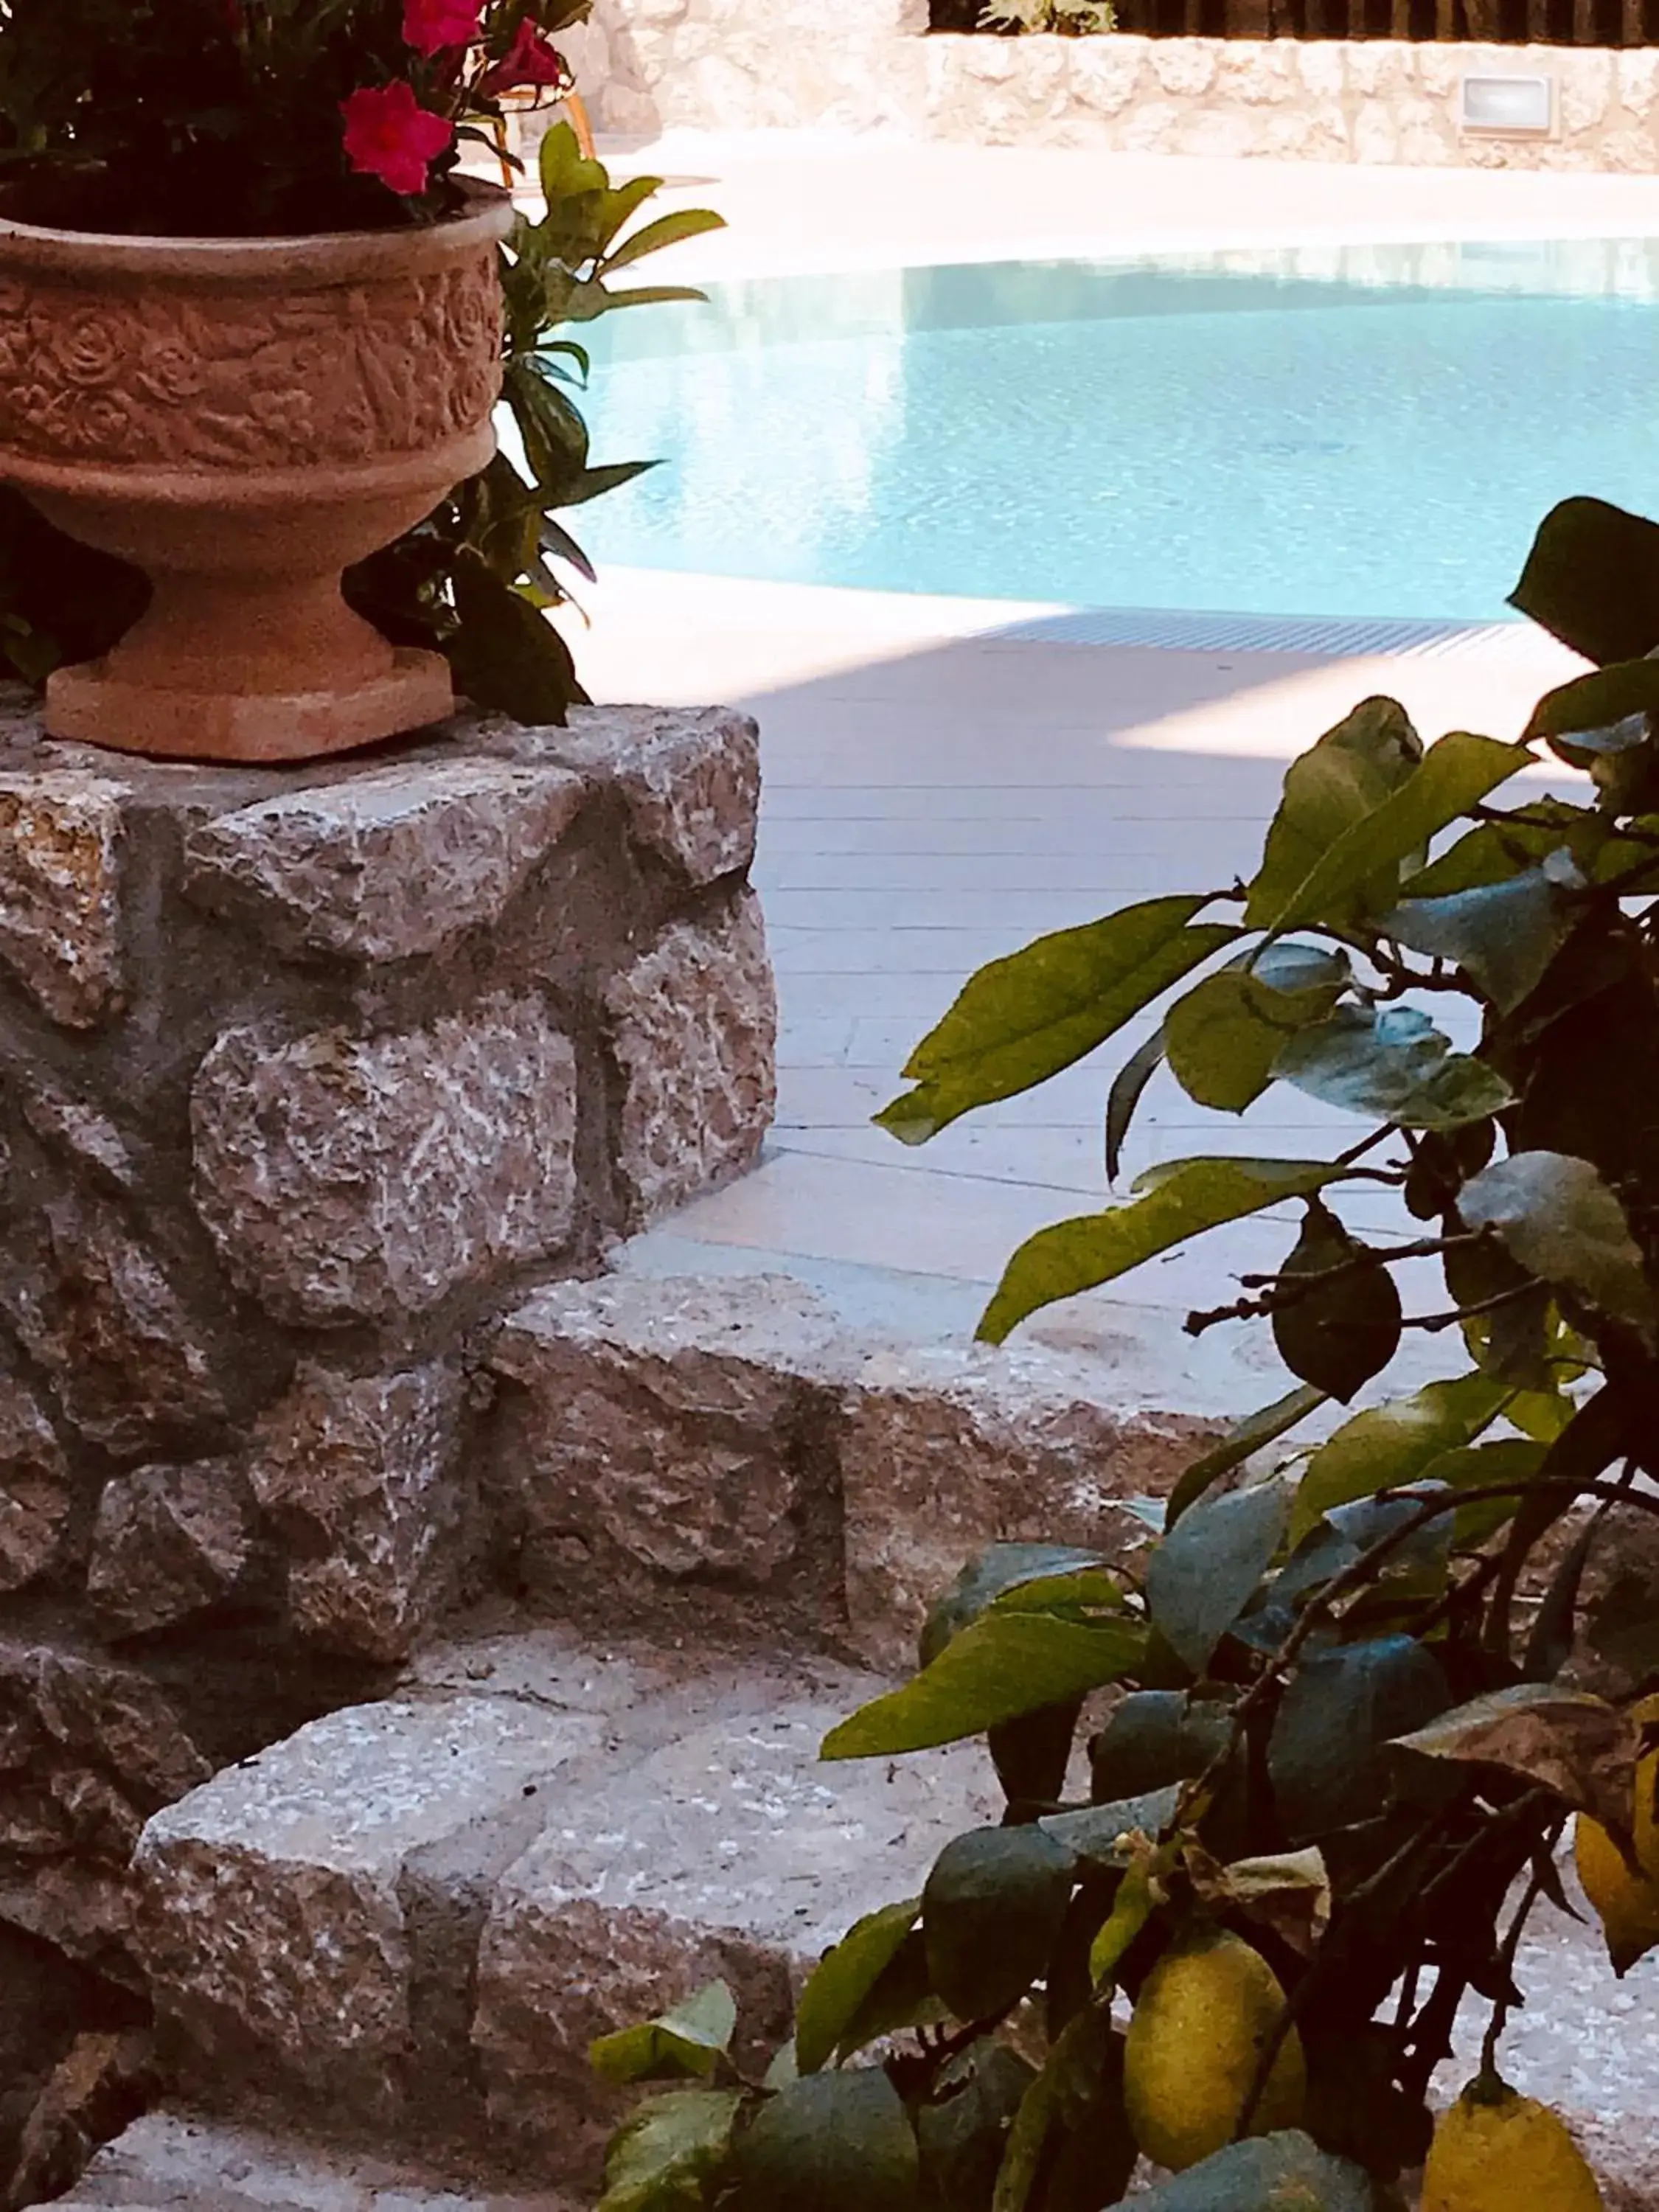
1370,436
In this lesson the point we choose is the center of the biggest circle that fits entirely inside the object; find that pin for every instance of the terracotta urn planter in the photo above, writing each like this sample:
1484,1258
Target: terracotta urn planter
243,419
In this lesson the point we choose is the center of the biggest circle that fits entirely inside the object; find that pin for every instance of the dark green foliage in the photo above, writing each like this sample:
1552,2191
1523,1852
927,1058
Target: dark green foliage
1341,1728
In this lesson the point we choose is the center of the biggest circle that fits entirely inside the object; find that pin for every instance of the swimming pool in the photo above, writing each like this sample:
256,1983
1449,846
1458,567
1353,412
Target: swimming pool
1373,432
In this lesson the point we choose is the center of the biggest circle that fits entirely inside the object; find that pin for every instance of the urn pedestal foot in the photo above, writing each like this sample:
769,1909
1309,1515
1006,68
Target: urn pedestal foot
93,705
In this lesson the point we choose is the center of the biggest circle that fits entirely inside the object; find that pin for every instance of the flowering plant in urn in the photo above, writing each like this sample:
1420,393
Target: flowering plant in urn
253,335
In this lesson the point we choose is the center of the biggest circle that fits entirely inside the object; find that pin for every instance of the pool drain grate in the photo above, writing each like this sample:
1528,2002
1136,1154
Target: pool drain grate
1179,631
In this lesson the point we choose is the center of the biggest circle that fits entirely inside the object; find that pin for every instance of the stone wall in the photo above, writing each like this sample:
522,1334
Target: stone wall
865,65
308,1076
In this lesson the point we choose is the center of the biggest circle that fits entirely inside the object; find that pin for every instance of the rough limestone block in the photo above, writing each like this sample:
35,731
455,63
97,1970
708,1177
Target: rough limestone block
689,776
167,1542
944,1452
664,1426
387,865
693,1026
731,1851
96,1311
60,892
347,1178
276,1920
357,1476
36,1495
87,1750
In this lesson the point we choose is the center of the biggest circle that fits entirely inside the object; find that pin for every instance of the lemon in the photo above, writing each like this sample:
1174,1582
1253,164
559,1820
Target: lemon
1626,1905
1495,2151
1205,2013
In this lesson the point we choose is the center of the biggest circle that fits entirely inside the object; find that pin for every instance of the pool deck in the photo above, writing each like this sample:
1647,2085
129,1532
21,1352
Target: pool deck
936,793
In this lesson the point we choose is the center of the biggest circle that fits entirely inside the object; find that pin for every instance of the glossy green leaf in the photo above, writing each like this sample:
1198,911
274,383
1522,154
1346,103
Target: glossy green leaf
1344,1330
1100,1834
689,2040
1481,1466
1560,1220
1223,1038
1388,1447
901,1998
1340,1707
1132,1909
1590,704
828,2141
843,1981
507,655
671,229
998,1569
964,2133
1174,1203
1336,784
1503,936
1453,775
1004,1665
1391,1064
1128,1088
1206,1570
1077,2098
1253,1434
1022,1019
1592,579
1285,2173
991,1913
1494,853
665,2158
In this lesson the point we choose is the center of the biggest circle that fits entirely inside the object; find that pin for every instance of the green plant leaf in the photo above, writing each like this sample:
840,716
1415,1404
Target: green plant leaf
841,1983
1206,1570
671,229
1339,1709
1223,1038
1174,1203
1128,1087
991,1913
1341,1332
505,654
1285,2173
1100,1834
1021,1020
829,2142
1253,1434
1388,1447
1331,788
1078,2098
1590,706
1592,579
1561,1221
1391,1064
1004,1665
1453,776
1580,1746
1479,1467
1503,936
962,2136
998,1569
1154,1738
666,2156
690,2039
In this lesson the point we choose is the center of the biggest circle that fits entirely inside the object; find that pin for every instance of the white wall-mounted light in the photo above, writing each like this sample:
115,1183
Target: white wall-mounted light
1507,106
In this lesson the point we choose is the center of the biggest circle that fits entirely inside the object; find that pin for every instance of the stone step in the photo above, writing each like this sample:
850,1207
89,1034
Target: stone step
410,1920
184,2162
681,1453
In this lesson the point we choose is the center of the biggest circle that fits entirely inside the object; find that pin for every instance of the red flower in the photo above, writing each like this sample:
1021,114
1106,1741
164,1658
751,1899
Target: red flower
532,59
389,135
429,26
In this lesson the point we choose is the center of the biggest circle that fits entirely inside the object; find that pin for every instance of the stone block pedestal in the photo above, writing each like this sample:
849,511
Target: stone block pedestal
307,1076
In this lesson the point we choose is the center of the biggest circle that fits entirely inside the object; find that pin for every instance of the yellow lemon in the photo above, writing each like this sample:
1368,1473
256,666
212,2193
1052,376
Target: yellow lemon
1626,1905
1205,2013
1495,2151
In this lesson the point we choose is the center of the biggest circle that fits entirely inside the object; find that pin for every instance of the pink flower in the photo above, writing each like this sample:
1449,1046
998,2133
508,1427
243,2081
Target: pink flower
429,26
532,59
389,135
